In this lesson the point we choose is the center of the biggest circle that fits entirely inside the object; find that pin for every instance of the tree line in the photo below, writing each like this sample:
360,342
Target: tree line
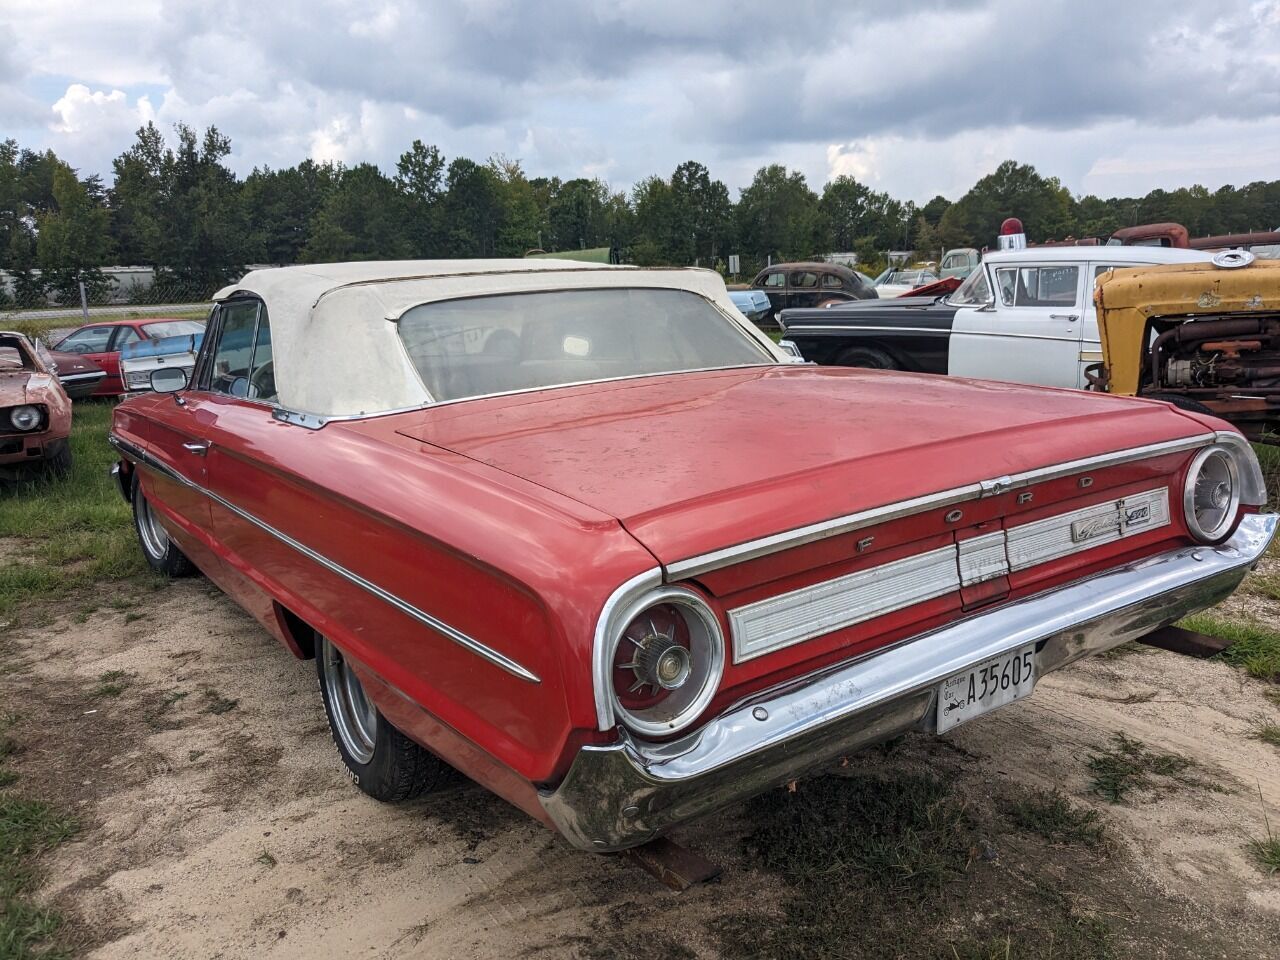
176,206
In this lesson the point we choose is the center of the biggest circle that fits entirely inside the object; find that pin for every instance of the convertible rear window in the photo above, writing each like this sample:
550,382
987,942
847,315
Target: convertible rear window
483,345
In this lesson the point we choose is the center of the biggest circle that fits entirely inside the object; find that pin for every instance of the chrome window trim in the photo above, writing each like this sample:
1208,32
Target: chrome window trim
753,549
142,458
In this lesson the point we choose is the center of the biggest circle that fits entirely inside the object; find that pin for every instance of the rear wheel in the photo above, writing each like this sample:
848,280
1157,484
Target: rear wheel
382,761
158,547
869,357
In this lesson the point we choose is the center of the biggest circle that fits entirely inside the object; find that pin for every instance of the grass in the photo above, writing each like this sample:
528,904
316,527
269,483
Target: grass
73,532
27,829
1254,646
896,865
1268,733
111,684
1049,814
1127,765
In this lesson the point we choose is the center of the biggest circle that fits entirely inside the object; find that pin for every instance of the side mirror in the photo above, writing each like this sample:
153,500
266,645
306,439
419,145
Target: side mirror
168,379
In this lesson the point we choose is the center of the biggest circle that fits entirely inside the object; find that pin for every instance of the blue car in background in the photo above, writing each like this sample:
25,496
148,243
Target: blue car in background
752,304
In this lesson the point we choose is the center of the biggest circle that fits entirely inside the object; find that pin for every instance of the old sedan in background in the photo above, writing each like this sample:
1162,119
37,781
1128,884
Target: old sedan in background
752,304
35,412
1022,315
79,376
811,285
102,342
554,525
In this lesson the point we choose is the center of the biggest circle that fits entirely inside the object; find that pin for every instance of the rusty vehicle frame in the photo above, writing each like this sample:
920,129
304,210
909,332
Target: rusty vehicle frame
1205,337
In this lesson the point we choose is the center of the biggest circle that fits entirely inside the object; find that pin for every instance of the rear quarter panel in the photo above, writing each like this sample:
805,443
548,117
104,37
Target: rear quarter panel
519,569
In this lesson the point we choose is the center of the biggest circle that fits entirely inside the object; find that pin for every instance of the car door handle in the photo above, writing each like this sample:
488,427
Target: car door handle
1064,316
199,447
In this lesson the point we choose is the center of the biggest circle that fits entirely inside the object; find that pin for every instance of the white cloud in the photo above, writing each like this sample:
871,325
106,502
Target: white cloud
916,97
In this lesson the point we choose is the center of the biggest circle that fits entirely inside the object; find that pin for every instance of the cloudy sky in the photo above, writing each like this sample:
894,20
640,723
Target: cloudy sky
917,98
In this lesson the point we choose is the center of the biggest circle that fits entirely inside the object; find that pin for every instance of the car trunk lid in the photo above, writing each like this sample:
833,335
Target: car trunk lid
698,462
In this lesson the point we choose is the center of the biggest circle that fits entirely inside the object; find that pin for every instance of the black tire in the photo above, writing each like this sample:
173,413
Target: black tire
1181,402
163,555
58,463
383,762
869,357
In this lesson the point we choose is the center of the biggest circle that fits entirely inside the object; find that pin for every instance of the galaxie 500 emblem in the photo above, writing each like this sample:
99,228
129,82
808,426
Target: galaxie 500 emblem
1125,517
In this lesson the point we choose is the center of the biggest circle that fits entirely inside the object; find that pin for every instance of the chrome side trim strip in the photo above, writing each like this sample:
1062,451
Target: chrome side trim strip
752,549
457,636
716,559
768,625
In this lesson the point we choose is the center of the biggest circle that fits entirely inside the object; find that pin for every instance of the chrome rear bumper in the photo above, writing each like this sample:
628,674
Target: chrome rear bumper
624,794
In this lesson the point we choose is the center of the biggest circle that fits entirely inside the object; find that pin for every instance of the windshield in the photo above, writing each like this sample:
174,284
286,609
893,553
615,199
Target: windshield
974,292
485,345
173,328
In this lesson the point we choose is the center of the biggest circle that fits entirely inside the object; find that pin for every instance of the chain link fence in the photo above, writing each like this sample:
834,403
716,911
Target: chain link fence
49,315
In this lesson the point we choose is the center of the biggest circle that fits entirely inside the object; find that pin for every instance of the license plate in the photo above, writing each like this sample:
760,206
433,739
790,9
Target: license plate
986,687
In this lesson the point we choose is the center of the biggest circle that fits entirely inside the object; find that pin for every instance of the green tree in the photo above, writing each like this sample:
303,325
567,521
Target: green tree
1014,190
180,209
280,206
654,223
522,217
420,177
472,209
701,216
778,216
363,217
73,240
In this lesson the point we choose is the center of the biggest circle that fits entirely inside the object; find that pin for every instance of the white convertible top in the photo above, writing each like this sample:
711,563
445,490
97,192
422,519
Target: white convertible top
335,347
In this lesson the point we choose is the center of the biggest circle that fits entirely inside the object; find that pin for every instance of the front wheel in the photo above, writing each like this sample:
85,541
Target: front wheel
382,761
58,462
868,357
158,547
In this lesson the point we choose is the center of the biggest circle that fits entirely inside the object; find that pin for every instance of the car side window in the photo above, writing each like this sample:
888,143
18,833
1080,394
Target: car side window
775,280
804,279
241,361
1047,286
832,280
124,335
88,340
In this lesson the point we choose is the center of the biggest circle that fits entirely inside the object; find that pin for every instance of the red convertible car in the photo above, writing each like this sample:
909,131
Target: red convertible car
557,525
102,342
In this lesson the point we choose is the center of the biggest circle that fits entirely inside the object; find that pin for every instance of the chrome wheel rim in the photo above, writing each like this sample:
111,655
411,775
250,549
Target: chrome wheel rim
155,539
355,720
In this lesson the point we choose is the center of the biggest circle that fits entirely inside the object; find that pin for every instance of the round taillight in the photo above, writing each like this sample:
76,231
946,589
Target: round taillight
667,661
1211,494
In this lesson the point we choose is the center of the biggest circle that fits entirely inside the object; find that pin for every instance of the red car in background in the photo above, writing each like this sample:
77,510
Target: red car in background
101,342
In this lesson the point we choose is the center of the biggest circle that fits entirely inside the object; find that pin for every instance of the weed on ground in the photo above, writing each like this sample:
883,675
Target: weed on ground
1254,646
1051,815
72,532
1127,766
28,828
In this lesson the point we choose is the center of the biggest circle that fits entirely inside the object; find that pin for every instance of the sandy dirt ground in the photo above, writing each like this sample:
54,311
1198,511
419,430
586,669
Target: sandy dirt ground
219,822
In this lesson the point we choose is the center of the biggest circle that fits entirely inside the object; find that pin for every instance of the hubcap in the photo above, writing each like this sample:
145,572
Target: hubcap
154,537
354,718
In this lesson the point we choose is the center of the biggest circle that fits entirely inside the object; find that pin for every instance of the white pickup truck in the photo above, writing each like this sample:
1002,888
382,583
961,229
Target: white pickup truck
1022,315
